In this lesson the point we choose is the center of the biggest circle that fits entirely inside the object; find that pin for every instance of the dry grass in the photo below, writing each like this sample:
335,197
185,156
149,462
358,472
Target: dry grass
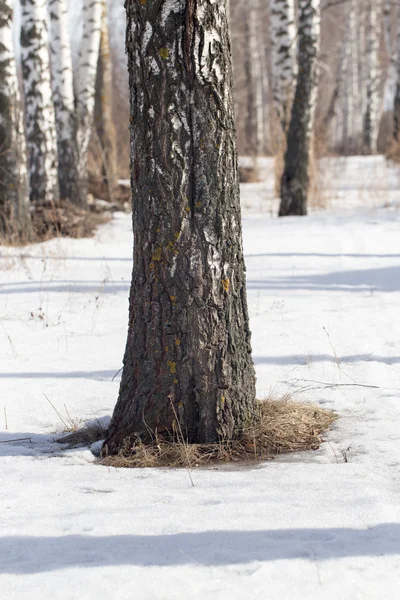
65,220
282,426
249,174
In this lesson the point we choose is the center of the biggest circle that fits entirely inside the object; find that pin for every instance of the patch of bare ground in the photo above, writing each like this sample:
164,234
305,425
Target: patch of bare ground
282,426
65,220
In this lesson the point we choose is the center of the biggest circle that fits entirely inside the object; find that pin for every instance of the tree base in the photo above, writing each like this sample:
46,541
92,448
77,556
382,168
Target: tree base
282,426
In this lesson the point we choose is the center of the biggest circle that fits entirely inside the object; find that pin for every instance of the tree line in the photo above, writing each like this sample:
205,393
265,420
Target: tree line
310,77
45,134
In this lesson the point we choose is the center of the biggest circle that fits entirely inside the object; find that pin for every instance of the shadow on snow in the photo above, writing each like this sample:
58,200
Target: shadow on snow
25,554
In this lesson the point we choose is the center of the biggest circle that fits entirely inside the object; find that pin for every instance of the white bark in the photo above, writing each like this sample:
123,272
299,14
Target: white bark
255,127
40,119
64,102
86,81
373,104
14,198
283,57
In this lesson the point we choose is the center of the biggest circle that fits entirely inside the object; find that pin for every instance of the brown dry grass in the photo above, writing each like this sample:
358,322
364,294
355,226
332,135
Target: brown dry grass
249,174
282,426
65,220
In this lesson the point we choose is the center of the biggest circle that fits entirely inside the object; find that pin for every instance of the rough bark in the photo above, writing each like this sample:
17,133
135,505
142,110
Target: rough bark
64,104
14,198
86,80
188,353
104,122
295,178
255,127
39,108
372,109
283,57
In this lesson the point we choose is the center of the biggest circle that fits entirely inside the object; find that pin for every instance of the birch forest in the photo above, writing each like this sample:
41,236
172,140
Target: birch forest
311,79
199,298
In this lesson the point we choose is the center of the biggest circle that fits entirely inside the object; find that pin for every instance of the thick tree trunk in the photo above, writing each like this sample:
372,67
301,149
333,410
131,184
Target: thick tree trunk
255,128
372,110
40,119
104,122
14,197
86,81
295,178
188,353
283,57
64,104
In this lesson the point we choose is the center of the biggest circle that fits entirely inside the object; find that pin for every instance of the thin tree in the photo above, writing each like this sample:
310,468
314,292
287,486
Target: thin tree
295,178
255,126
86,81
283,57
188,352
14,197
39,108
372,109
104,122
64,104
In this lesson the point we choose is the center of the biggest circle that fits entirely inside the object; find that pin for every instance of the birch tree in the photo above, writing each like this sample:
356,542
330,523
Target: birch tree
295,178
255,125
39,108
64,104
188,353
283,57
86,80
14,198
372,108
104,122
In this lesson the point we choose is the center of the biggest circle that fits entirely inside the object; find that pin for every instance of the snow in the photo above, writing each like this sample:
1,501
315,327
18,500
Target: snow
324,293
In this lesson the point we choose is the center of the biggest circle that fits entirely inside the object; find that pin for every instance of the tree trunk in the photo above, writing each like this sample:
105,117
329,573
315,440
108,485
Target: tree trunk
64,104
86,81
255,128
40,119
14,198
283,57
372,110
396,108
188,353
104,122
295,178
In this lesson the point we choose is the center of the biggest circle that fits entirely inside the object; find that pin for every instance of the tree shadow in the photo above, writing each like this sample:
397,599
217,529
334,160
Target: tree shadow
319,255
385,279
25,554
104,375
69,286
29,444
312,358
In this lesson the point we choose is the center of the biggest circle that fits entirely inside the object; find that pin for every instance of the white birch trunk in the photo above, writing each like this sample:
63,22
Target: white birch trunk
255,128
40,119
64,103
372,108
86,80
283,57
14,198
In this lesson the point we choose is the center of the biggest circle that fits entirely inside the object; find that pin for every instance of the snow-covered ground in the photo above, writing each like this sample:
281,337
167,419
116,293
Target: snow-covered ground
324,297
